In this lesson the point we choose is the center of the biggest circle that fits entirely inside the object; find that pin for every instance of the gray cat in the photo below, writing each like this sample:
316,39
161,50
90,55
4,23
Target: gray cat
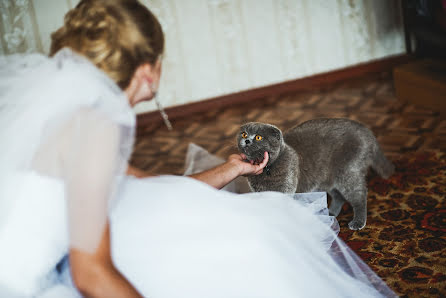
331,155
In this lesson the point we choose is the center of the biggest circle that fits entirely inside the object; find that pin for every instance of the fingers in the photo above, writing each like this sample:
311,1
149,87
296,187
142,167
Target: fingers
256,168
265,160
262,165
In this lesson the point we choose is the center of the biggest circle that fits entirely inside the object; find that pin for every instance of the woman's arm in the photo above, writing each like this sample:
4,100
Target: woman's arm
219,176
95,275
236,166
90,164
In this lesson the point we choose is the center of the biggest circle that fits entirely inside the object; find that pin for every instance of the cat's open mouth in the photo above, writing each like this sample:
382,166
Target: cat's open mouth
259,160
254,158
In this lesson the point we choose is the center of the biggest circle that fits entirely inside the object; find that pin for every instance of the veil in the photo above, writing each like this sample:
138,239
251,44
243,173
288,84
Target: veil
63,118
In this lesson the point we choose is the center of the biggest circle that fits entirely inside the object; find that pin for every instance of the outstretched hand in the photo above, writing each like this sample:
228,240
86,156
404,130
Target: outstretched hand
237,165
248,167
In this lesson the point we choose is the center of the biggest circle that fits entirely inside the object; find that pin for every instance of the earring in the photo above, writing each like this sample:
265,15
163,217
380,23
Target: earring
160,107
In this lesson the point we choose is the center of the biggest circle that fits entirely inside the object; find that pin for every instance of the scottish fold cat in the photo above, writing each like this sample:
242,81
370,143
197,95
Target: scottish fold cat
326,154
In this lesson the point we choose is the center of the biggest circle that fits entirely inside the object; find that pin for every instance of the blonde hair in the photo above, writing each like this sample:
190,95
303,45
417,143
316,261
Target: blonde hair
116,35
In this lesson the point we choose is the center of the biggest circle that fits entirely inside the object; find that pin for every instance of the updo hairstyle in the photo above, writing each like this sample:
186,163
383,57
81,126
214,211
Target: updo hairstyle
115,35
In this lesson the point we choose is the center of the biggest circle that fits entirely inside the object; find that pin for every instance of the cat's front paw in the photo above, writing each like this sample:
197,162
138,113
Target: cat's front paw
356,225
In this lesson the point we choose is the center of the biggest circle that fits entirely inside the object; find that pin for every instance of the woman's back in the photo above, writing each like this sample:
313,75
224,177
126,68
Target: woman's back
59,116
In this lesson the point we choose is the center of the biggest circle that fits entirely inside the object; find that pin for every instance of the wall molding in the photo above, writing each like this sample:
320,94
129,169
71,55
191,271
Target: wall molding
251,95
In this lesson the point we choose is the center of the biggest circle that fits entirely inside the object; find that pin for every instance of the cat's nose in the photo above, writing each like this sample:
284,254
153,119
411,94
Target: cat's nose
247,142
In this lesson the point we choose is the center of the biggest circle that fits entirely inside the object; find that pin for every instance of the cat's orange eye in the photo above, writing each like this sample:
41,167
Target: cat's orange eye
258,138
244,135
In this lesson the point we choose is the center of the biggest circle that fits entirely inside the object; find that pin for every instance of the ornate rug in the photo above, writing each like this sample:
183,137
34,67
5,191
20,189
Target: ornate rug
404,240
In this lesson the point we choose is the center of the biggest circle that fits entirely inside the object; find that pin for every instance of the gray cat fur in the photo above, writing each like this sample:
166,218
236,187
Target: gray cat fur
326,154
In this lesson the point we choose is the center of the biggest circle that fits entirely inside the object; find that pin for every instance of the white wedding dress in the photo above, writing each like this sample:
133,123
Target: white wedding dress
67,133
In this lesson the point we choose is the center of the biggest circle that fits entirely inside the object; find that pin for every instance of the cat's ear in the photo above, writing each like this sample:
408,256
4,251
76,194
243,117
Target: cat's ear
277,133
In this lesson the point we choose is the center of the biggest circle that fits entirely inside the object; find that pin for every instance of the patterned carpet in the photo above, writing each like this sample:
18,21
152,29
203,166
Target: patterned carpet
405,237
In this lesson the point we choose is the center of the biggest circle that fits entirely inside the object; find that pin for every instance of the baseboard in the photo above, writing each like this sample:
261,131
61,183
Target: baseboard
318,80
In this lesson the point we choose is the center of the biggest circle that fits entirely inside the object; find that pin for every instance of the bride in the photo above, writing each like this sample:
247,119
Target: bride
72,223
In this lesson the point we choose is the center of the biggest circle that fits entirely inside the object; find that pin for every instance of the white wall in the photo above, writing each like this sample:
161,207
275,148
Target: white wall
216,47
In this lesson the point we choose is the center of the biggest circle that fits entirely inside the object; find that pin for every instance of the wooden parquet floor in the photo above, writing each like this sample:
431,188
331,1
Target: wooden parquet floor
399,127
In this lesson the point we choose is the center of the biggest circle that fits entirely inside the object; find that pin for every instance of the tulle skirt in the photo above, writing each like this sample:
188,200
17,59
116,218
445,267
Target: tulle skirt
177,237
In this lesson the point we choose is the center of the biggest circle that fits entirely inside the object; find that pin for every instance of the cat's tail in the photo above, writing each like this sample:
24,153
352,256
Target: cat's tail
382,165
